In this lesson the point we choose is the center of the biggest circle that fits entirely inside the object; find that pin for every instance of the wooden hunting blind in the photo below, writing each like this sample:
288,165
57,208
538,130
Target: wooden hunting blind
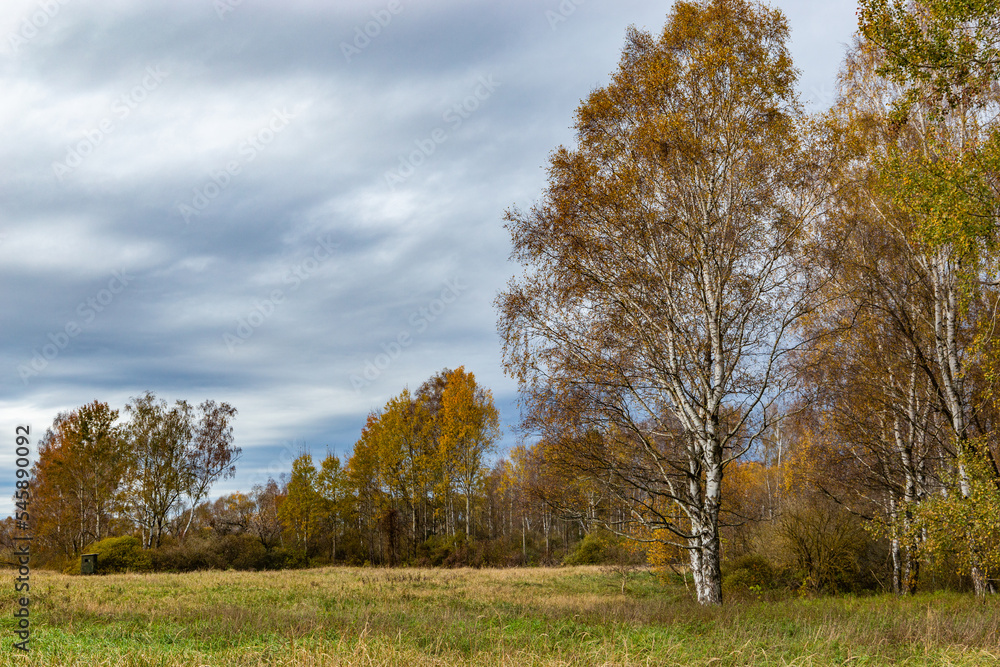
88,565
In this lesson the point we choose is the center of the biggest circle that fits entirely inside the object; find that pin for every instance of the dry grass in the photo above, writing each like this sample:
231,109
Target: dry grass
568,616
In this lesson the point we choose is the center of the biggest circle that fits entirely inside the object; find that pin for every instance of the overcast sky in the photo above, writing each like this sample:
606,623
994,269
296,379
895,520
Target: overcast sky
293,206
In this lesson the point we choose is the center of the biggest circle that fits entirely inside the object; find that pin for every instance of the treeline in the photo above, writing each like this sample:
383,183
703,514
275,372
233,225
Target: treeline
422,485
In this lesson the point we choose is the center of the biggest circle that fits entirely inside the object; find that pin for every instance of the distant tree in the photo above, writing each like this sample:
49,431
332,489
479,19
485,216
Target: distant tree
160,472
401,437
332,485
78,478
53,512
232,514
438,494
175,452
469,428
99,454
516,485
264,520
363,481
212,455
302,509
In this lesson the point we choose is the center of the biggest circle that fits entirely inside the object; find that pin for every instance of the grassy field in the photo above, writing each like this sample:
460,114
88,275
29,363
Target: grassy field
568,616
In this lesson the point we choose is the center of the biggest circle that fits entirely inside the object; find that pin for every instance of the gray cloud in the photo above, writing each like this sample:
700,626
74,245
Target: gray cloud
210,156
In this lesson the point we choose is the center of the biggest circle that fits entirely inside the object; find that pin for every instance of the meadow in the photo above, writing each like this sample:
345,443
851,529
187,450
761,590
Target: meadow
565,616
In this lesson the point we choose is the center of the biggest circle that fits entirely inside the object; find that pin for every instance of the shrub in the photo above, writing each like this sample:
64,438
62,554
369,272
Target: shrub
825,546
240,552
588,551
601,547
442,550
749,571
237,552
193,554
281,558
119,554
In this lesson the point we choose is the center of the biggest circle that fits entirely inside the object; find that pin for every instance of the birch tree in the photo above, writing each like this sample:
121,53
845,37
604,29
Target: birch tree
939,173
212,454
661,283
159,473
175,452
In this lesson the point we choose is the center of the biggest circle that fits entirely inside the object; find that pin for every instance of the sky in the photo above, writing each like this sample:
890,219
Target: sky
293,206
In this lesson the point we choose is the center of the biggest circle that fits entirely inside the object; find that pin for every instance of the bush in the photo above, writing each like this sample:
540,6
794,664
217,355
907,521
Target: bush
601,547
119,554
458,551
436,549
750,571
447,551
237,552
194,554
825,547
240,552
588,551
281,558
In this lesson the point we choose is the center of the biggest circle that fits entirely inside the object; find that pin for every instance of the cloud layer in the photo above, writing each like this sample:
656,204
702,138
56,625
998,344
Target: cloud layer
294,207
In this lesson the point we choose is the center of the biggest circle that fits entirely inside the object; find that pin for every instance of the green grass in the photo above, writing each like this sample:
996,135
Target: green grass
568,616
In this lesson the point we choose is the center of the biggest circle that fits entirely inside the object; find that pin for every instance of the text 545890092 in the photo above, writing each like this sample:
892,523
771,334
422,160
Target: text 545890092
22,539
